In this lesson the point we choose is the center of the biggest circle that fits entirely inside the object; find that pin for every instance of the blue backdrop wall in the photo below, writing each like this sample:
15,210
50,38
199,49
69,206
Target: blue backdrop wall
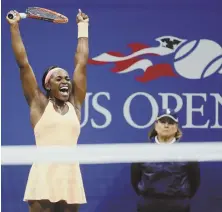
144,55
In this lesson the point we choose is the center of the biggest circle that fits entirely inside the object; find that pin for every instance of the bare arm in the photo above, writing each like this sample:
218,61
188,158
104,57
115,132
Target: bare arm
80,60
29,83
79,76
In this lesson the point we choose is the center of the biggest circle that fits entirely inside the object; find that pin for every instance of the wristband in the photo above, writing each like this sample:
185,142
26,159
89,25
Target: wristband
83,29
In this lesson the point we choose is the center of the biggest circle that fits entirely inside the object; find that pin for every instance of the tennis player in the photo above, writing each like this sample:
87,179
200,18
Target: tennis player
169,186
55,118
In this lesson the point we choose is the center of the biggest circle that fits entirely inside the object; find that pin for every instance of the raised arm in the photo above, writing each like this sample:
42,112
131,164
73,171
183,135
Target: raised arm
80,60
29,83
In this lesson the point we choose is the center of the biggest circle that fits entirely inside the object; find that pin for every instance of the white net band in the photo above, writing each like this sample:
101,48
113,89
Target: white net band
112,153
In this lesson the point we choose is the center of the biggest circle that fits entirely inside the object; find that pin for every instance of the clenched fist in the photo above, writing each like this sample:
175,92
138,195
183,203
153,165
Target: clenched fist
16,18
82,17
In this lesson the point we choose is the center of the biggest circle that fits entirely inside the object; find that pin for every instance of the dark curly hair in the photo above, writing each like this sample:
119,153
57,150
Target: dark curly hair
44,76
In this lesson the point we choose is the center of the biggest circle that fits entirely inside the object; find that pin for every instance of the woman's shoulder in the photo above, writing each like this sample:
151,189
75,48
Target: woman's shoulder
151,140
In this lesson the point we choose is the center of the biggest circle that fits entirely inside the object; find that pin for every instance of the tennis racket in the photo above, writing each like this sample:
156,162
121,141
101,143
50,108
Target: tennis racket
41,14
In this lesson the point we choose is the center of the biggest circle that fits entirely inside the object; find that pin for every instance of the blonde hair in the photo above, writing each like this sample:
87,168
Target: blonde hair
152,133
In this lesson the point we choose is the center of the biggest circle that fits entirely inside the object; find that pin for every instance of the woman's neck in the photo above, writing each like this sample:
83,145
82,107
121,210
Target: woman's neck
57,102
166,140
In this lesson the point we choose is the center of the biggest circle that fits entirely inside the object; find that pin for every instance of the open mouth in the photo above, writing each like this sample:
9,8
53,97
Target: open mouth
64,90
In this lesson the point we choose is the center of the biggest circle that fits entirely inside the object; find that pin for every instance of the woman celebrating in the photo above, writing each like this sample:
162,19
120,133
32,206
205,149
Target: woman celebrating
55,118
165,187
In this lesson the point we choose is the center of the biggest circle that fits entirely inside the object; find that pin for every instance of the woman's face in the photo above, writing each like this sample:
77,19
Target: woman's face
166,127
60,85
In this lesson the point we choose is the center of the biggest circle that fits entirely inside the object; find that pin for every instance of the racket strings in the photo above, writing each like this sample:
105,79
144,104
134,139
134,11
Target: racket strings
43,13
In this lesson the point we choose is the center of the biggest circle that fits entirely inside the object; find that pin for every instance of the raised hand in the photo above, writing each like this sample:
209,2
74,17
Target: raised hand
82,17
16,18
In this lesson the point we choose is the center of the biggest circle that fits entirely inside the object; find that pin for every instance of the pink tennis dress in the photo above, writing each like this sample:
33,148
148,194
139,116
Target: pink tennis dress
55,182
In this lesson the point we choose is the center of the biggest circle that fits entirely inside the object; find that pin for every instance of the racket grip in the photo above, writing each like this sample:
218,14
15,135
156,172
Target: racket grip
22,15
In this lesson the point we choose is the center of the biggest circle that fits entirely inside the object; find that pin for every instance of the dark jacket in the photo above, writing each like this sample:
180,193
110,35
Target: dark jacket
168,179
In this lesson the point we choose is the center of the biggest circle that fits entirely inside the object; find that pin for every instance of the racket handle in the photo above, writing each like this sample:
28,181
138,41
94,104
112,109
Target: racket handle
22,15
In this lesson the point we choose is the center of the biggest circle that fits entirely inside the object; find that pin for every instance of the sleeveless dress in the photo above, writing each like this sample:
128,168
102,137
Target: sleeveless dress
53,181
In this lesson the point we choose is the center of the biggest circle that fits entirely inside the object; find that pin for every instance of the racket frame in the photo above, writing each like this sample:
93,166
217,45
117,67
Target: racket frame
61,18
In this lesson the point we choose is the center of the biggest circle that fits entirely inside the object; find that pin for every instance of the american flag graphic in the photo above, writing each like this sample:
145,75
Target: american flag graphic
127,63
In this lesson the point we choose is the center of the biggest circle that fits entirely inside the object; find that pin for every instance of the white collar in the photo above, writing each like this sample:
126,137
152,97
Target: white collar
156,140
